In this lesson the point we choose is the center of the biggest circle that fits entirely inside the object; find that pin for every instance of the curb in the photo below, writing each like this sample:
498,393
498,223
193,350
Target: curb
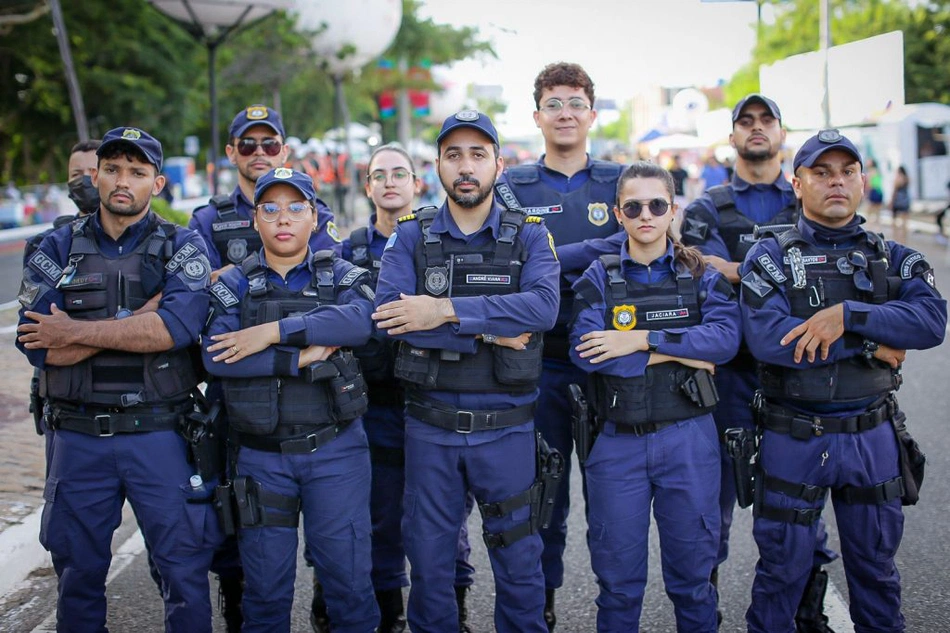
21,552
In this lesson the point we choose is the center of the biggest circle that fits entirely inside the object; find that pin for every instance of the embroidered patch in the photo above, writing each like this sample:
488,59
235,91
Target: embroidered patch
757,285
625,317
597,213
87,279
28,293
508,196
556,208
664,315
503,280
355,273
908,264
390,242
551,244
195,269
184,253
333,232
223,294
771,268
230,226
809,260
41,262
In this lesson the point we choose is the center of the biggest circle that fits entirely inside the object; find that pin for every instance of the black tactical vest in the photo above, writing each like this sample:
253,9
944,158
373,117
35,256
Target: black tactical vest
233,235
815,278
97,290
658,395
735,228
461,270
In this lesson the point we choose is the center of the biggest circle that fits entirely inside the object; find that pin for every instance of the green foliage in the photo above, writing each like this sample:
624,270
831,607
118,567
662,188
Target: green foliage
161,207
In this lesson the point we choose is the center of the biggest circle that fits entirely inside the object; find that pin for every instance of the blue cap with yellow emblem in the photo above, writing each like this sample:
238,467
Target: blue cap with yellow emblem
255,115
135,139
284,176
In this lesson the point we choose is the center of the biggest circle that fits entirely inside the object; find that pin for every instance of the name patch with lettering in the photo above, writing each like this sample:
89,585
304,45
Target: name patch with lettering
663,315
544,210
502,280
230,226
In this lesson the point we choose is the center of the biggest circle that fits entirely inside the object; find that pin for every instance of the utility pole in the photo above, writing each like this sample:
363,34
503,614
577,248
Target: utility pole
824,43
72,82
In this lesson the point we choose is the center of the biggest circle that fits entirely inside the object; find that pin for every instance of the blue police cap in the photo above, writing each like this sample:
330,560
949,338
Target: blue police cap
135,139
284,176
820,143
468,118
756,98
255,115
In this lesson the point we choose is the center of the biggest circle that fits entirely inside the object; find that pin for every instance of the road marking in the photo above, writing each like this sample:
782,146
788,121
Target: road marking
839,617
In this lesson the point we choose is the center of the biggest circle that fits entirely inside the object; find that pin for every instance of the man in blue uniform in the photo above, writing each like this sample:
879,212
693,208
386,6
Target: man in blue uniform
256,146
468,290
574,195
828,311
721,223
111,304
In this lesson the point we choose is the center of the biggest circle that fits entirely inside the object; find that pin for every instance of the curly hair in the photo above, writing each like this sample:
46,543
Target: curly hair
562,74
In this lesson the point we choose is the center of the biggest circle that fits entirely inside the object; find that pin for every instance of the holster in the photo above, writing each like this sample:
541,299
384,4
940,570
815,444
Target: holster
701,389
36,402
206,437
550,472
581,427
225,506
742,447
255,505
912,460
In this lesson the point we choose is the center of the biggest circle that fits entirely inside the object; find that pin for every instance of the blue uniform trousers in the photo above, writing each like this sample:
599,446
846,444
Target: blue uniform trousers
386,505
437,480
553,419
90,478
676,469
333,484
870,534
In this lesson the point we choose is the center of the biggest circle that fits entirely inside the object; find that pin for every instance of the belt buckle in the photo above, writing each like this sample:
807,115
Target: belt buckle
640,430
461,415
802,427
312,441
107,418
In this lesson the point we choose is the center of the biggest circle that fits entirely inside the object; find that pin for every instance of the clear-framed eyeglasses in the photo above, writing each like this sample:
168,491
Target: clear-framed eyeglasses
399,177
575,105
296,211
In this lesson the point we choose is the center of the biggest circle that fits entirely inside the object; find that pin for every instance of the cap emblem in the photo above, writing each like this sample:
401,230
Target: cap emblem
467,115
131,134
283,172
256,113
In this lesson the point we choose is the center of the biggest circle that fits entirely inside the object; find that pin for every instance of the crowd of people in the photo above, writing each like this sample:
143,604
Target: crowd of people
454,357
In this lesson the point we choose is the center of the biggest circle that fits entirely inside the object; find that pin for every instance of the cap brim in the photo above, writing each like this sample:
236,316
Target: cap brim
309,197
468,124
244,128
151,159
814,156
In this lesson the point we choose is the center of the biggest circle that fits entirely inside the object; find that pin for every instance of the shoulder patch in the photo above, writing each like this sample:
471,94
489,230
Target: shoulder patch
769,267
406,218
758,286
391,241
223,294
184,254
907,266
551,245
29,292
332,231
42,262
195,268
352,275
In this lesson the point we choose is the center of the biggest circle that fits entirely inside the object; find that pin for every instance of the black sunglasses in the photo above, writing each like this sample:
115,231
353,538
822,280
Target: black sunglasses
634,208
247,146
856,265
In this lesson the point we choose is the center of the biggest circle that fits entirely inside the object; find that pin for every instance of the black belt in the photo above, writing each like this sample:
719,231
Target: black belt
307,444
437,414
104,423
801,426
641,429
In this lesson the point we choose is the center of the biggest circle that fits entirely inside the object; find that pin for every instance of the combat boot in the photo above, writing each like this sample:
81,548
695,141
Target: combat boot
392,617
811,617
463,609
319,620
230,594
549,616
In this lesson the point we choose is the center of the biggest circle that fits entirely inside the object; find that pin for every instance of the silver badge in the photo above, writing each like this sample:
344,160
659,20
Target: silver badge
437,280
467,115
237,250
194,269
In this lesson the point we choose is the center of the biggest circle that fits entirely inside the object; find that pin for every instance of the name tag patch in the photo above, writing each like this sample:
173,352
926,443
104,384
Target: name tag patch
664,315
41,262
544,210
501,280
230,226
809,260
89,279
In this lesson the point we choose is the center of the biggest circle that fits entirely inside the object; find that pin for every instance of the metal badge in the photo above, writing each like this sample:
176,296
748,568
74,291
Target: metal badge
437,279
795,260
467,115
237,250
844,266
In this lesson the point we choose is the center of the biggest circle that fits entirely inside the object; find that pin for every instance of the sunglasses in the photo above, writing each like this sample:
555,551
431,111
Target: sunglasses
634,208
270,211
247,146
856,264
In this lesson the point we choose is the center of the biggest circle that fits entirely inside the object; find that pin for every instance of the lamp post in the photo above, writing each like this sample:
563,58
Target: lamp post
211,22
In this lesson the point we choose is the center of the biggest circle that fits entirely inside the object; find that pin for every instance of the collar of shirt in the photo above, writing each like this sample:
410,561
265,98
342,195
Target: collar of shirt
780,183
129,239
663,265
560,182
241,203
305,266
822,235
445,223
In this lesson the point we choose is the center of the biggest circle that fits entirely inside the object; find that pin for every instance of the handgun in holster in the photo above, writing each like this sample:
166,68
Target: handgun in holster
701,389
206,437
582,429
244,496
742,447
36,402
225,506
550,465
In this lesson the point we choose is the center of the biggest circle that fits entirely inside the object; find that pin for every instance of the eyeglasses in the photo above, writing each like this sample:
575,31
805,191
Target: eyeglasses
829,136
297,211
633,209
574,104
399,176
247,146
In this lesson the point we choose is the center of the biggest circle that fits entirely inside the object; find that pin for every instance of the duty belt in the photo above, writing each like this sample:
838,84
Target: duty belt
107,422
641,429
802,426
276,442
437,414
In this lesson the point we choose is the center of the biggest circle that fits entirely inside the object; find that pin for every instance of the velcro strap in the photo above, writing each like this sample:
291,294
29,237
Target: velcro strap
805,492
508,537
289,515
872,495
781,420
499,509
798,516
295,446
437,414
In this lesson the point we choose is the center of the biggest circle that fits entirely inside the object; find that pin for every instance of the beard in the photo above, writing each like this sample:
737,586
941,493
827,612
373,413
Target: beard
757,155
129,209
467,200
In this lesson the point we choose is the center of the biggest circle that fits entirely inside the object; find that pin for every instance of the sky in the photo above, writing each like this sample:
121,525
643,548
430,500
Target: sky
625,45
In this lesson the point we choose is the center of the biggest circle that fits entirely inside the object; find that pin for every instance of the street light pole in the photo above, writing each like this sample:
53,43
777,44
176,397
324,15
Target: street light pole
213,95
72,83
824,43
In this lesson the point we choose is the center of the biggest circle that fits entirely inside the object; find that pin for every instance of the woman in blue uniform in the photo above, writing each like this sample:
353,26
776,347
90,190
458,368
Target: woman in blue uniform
282,326
652,323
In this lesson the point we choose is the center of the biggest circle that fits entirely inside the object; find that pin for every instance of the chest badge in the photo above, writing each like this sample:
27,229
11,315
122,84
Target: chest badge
597,213
237,250
437,280
625,317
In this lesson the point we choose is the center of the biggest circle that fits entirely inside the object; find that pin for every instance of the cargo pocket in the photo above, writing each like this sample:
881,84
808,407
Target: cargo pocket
51,536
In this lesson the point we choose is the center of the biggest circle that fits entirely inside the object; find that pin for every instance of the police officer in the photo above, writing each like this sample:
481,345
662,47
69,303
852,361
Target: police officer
828,310
721,224
256,146
111,304
573,193
294,401
468,289
652,323
391,184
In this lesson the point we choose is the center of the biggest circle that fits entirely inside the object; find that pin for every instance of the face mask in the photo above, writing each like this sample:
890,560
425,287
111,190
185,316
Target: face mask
84,194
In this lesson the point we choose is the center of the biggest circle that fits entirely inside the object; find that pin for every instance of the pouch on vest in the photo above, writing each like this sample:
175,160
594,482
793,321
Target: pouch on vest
167,378
347,389
519,367
258,413
417,365
912,460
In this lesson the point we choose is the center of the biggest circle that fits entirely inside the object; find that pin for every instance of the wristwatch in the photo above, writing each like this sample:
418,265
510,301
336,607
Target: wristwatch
489,338
868,349
123,313
654,338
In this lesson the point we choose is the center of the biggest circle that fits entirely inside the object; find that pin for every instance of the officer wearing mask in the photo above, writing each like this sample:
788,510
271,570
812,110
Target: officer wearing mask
111,304
721,224
574,195
467,289
256,146
828,311
392,184
279,338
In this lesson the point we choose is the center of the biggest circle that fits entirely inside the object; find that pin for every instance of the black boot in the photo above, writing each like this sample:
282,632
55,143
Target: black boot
230,593
319,620
392,617
811,617
714,581
463,609
549,616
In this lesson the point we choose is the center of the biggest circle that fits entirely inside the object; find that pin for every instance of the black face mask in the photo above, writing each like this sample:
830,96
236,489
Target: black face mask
84,194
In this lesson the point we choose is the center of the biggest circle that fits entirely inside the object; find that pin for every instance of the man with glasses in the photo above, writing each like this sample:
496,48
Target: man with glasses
255,146
574,195
829,309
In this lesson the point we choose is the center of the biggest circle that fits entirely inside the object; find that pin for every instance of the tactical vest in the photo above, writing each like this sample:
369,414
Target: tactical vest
736,229
463,270
569,217
33,243
815,278
362,256
233,235
98,288
257,405
659,394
